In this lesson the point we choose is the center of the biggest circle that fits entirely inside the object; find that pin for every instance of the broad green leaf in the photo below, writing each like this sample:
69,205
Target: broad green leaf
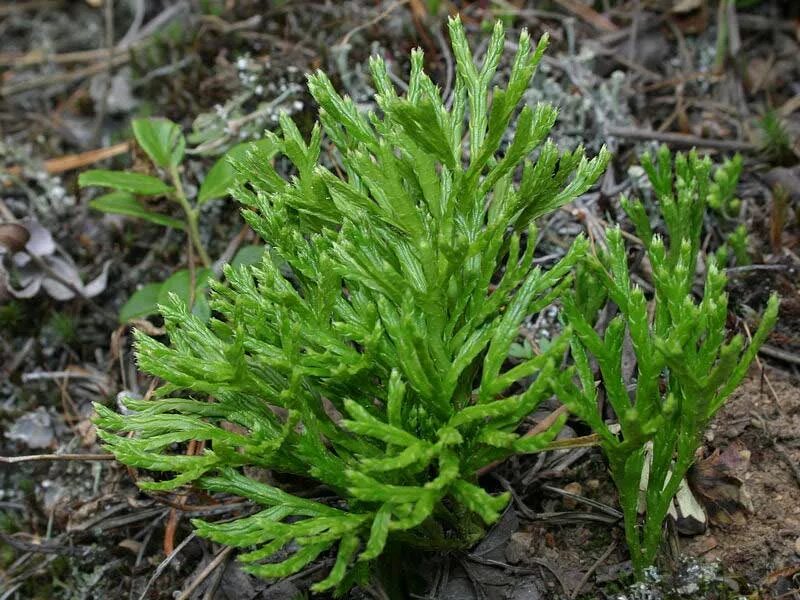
142,303
201,308
179,283
222,174
522,350
135,183
125,203
247,255
161,139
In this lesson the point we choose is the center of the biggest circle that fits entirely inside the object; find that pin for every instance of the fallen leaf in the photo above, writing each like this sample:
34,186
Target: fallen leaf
131,545
14,236
718,483
704,545
688,513
34,429
686,6
41,241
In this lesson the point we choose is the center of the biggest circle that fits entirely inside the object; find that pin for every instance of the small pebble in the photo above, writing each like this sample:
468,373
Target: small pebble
519,545
573,488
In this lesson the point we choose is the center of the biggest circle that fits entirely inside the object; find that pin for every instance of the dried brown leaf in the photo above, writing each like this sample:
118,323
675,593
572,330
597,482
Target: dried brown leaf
718,484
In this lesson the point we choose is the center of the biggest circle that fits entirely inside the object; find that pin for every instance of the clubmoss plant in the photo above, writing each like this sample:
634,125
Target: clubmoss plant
686,366
367,352
722,192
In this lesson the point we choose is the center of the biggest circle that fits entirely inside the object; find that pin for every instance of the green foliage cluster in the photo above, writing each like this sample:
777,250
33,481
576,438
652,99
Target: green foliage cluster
776,143
165,145
685,366
367,351
722,191
737,242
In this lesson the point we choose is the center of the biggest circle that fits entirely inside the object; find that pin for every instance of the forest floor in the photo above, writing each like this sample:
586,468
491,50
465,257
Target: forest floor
629,74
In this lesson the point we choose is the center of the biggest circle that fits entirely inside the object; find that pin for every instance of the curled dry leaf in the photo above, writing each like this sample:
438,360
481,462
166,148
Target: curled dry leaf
717,481
36,266
13,236
41,241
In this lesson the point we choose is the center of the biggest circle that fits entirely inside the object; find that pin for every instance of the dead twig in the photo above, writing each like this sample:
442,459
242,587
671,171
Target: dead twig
218,559
44,80
54,457
680,139
38,57
747,268
783,355
71,162
588,14
588,501
376,19
51,547
764,373
520,570
164,563
603,557
108,21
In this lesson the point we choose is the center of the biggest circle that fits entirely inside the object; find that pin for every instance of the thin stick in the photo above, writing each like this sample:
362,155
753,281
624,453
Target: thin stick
389,10
205,573
57,457
764,373
588,14
69,77
784,355
680,139
586,441
74,161
36,57
164,563
593,568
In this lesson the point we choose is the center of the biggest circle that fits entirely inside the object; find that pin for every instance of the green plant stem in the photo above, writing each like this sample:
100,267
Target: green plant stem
722,36
191,217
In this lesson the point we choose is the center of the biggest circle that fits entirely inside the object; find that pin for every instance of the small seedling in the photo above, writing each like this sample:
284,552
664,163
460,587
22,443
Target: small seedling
722,191
164,144
776,144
